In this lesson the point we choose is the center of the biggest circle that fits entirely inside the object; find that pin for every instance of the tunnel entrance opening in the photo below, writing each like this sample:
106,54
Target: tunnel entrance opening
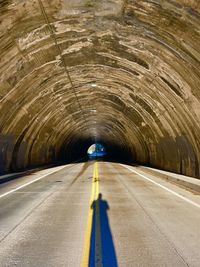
81,150
96,151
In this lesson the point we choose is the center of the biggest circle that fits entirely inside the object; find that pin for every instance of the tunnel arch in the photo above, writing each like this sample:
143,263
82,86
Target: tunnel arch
124,72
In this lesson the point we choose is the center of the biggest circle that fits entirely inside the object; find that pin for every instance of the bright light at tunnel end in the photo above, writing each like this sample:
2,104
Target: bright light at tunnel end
96,150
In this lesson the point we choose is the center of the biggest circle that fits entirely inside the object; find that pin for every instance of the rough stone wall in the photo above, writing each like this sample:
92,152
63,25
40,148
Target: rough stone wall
125,72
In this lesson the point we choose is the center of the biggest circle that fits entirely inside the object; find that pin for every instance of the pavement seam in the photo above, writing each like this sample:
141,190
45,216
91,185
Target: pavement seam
32,210
152,220
163,187
26,217
29,183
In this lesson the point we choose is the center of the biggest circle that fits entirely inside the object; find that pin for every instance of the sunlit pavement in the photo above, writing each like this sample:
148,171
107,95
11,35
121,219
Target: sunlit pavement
98,214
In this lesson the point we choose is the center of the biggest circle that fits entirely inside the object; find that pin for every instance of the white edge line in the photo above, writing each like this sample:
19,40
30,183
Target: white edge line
33,181
163,187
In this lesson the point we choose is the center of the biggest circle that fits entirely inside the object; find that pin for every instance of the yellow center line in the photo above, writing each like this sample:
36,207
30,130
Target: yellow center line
93,197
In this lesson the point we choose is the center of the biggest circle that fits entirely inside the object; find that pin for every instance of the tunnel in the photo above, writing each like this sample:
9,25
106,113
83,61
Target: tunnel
124,73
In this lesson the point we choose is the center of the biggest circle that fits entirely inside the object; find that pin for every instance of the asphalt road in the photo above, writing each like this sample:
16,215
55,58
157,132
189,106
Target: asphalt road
97,214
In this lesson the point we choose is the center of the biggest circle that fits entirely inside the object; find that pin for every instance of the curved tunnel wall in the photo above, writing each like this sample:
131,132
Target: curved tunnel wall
126,73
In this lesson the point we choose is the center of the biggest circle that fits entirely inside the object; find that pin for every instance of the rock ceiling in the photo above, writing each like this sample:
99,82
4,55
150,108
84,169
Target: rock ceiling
124,72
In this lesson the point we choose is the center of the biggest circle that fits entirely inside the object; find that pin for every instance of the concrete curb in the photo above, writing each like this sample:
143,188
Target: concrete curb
11,176
185,181
8,177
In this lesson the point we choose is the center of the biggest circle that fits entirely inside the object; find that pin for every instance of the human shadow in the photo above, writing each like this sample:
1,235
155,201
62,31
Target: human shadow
102,250
85,166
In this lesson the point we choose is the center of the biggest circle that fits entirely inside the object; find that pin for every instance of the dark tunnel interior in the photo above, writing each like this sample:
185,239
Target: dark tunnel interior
78,152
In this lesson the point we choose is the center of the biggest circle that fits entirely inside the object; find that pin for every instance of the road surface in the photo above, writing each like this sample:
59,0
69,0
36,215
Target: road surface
97,214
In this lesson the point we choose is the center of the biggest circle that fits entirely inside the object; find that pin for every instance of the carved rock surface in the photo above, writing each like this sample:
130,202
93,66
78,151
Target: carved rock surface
124,72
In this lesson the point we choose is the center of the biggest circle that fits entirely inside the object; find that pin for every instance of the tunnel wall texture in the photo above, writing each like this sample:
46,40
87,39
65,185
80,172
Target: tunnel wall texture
125,72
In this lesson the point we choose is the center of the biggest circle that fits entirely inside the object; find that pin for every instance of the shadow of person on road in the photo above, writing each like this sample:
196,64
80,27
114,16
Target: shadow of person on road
85,166
102,250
